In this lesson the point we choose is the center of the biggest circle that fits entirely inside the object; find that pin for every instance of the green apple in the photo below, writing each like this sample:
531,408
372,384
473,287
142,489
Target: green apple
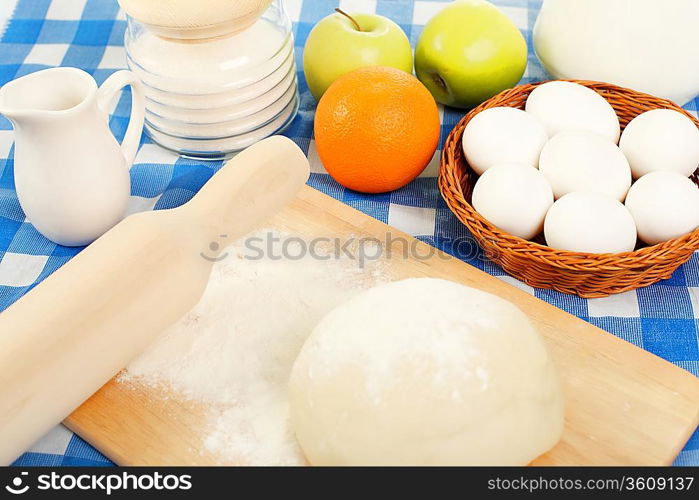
341,43
469,52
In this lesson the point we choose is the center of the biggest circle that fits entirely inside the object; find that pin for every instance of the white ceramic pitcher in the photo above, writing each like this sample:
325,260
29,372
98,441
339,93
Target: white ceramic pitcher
71,174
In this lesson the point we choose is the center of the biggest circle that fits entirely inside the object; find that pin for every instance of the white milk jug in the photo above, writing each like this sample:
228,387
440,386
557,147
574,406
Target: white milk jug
647,45
71,174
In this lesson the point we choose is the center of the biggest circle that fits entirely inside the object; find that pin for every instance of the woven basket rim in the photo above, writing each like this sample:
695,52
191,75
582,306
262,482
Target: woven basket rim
453,194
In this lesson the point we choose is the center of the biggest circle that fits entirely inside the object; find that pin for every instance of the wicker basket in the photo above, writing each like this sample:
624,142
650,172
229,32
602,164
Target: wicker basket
583,274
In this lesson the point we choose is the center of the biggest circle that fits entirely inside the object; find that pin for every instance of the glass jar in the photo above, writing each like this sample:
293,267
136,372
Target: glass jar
208,98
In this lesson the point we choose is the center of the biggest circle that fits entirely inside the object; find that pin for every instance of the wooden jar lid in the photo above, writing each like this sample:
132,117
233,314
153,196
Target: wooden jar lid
184,19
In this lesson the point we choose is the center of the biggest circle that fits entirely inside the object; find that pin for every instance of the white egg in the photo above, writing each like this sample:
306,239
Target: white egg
584,161
514,198
502,135
564,106
661,140
591,223
664,205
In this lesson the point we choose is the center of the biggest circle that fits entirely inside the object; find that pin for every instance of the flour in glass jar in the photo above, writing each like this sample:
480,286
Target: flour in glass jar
234,351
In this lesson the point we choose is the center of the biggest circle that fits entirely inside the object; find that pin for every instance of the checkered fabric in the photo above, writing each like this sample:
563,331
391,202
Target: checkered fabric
663,318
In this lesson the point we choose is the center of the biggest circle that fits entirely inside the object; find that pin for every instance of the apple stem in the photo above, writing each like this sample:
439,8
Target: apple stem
440,82
356,24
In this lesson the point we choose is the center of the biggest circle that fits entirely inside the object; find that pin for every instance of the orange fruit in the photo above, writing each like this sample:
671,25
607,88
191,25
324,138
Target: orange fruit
376,129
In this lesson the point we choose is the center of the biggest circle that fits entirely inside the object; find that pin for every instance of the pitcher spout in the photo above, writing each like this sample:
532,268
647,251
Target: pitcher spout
51,92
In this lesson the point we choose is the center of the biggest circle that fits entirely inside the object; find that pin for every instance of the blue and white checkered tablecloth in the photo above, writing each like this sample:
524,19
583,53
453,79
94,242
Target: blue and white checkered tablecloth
663,318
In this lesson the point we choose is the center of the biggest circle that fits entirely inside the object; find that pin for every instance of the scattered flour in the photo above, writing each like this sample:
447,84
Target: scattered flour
234,351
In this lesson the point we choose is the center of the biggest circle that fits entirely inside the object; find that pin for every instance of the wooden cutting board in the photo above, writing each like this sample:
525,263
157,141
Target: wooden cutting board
624,406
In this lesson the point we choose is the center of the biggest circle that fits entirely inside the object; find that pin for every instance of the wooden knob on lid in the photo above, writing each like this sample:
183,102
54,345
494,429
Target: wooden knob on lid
187,20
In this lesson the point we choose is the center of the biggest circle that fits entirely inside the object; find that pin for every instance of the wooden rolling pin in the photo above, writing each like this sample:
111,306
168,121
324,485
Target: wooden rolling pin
68,336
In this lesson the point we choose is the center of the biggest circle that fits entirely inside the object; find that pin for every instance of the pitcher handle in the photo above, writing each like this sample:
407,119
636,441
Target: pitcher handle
115,83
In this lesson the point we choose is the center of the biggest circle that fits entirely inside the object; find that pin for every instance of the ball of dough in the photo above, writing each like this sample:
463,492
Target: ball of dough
503,135
425,372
